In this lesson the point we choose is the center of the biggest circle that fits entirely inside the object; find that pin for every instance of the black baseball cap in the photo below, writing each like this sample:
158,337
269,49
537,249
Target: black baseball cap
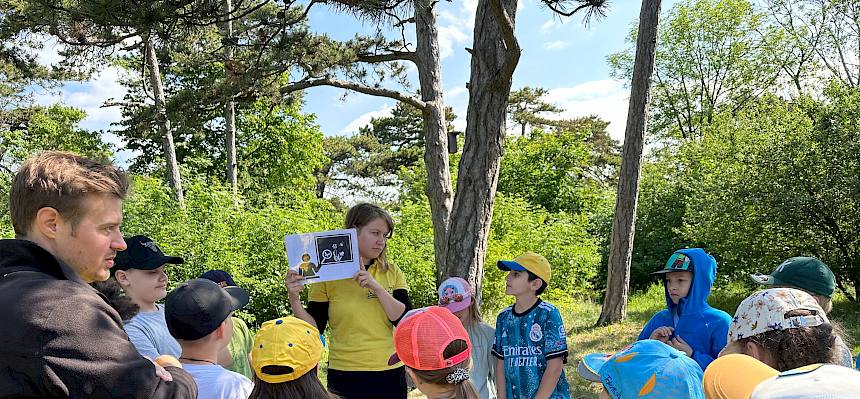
196,308
142,254
220,277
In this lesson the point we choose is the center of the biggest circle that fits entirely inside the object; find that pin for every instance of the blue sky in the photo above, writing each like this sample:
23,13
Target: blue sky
558,54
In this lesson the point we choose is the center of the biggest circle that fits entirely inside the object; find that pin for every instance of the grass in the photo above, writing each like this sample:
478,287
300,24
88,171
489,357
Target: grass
583,337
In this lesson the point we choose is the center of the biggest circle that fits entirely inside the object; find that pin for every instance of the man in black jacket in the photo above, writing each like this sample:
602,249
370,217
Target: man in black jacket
60,338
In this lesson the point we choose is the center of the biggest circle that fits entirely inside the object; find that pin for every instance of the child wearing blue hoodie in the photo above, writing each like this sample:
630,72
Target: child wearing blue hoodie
689,324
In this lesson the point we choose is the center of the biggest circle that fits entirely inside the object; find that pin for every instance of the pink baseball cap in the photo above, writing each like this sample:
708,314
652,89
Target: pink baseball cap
455,294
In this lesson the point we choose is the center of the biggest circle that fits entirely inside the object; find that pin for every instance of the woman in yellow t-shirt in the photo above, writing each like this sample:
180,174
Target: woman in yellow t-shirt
362,313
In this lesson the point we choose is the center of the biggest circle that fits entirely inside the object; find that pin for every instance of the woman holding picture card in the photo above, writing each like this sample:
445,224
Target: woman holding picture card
361,311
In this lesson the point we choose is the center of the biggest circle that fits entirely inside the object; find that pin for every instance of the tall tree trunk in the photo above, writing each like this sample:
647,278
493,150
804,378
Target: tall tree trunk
172,167
494,58
439,191
322,177
230,105
624,221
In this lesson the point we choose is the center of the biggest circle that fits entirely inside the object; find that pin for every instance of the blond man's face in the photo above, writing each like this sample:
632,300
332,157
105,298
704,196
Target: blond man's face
90,246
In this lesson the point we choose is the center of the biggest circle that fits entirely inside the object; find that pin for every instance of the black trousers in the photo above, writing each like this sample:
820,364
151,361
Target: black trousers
387,384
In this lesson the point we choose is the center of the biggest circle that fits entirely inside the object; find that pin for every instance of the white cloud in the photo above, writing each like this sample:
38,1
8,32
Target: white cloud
549,25
556,45
48,55
90,96
608,99
448,37
470,7
449,17
456,25
460,122
364,119
454,92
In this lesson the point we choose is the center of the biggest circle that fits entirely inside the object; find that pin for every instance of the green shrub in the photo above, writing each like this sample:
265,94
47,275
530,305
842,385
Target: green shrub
212,233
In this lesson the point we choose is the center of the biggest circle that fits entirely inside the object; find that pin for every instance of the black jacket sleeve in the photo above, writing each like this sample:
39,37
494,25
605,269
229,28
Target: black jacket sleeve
88,354
402,295
319,311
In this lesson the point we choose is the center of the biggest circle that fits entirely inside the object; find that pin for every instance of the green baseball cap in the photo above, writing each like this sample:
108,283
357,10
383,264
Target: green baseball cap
804,272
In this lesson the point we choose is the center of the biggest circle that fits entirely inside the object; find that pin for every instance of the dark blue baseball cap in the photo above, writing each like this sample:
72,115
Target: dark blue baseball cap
220,277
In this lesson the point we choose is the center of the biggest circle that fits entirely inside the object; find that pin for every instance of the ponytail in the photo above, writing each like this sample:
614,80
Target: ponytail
465,390
456,375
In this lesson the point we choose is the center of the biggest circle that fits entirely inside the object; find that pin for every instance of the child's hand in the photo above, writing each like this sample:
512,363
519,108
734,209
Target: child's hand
681,345
662,334
160,371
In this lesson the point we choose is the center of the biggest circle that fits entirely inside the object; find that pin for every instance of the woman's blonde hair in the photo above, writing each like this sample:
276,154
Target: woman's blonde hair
363,214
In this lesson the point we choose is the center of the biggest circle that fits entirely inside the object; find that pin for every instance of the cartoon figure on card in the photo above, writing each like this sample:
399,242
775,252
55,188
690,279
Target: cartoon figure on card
307,268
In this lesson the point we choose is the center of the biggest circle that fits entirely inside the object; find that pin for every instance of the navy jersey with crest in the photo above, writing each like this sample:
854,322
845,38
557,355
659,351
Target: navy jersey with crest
525,341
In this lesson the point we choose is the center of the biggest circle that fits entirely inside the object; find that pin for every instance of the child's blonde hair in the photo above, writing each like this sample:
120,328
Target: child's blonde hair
474,318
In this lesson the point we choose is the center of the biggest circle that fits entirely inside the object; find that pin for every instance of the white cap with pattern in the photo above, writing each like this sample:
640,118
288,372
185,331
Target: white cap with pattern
768,310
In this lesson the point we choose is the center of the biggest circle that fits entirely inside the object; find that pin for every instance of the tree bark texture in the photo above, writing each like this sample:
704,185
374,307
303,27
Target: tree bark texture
171,165
230,105
495,56
439,191
624,220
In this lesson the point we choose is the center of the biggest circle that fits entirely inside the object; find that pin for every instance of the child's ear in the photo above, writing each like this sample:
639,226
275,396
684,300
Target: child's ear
121,277
222,329
752,349
535,284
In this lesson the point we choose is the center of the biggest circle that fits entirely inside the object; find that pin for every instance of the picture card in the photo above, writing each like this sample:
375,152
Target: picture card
323,256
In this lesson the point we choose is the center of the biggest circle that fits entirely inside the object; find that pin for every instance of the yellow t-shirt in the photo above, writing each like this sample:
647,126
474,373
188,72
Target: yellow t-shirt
362,338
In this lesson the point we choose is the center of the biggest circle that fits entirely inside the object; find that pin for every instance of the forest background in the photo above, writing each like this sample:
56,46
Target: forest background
753,143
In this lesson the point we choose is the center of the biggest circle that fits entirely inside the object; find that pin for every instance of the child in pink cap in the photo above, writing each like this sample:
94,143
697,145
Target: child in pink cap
457,295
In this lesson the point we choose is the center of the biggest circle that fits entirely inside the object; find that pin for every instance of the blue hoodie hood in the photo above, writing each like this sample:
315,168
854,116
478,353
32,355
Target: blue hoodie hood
704,273
704,328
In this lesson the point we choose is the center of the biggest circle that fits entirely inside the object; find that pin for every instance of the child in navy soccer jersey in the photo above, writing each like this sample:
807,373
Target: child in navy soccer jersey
530,343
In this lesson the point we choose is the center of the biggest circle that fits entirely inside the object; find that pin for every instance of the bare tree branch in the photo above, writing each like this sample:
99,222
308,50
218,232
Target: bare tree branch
343,84
506,29
112,103
594,9
392,56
